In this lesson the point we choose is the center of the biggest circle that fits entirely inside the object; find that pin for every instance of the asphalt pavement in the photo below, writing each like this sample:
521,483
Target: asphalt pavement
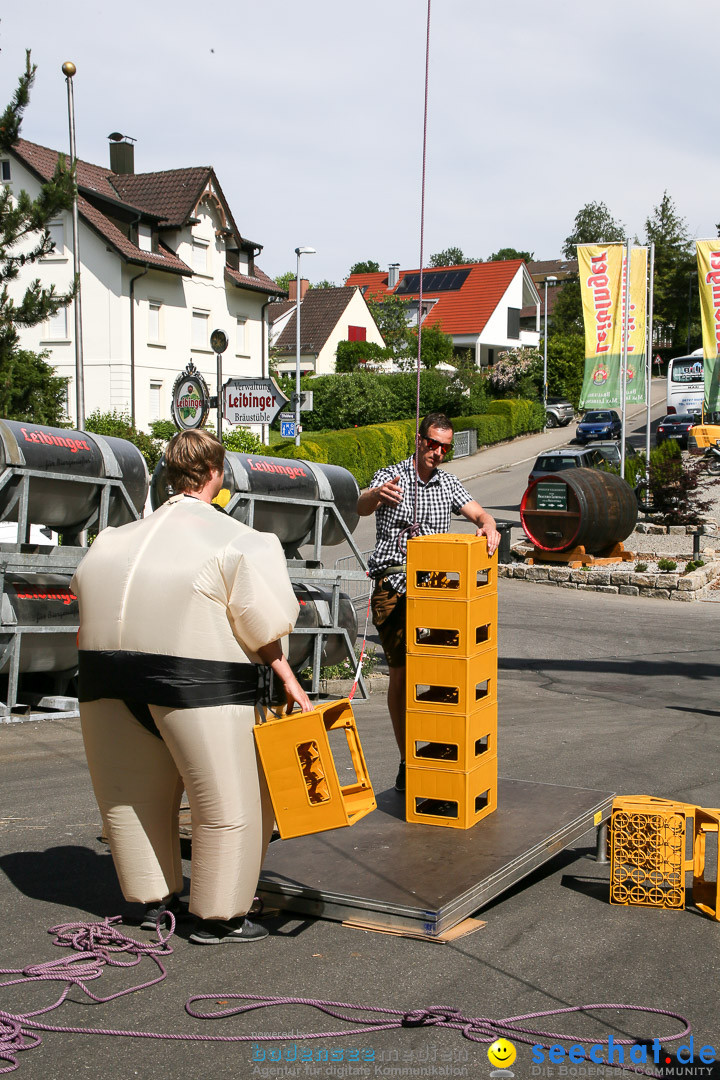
605,692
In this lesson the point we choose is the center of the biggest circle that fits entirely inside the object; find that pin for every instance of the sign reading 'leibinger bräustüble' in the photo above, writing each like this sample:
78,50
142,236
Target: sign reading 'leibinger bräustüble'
252,401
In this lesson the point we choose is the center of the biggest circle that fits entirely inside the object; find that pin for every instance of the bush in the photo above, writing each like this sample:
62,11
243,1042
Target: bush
364,450
667,565
118,425
676,492
349,355
241,441
163,430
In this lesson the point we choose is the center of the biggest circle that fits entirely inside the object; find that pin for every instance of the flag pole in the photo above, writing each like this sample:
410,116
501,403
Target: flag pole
651,283
626,325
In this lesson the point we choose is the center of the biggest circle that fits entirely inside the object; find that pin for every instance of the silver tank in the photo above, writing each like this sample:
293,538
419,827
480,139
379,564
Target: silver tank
285,482
315,608
42,600
59,453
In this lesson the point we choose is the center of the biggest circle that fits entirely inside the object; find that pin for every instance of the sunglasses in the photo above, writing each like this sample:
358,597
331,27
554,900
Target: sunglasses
433,444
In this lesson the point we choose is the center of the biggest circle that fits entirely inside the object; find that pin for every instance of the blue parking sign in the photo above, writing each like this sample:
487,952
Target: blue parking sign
287,429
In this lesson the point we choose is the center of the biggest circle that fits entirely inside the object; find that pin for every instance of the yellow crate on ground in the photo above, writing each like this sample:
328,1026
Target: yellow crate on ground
441,684
450,566
453,743
647,852
301,773
456,800
451,627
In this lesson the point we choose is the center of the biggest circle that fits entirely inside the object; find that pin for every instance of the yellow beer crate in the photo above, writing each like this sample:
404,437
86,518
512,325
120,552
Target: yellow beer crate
301,773
451,627
453,743
450,566
441,684
456,800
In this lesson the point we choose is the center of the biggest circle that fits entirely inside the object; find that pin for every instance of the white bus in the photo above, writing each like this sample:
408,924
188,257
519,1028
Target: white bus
685,388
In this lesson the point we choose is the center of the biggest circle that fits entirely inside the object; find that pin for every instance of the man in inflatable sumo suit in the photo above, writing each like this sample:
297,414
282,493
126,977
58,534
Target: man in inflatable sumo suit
176,611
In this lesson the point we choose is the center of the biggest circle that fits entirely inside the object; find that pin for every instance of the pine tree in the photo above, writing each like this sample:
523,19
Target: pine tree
28,388
675,291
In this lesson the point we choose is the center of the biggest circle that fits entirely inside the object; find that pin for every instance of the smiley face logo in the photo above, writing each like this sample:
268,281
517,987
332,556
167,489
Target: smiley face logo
502,1053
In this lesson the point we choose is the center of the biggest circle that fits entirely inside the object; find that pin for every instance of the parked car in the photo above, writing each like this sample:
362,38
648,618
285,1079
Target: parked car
611,452
675,426
559,412
567,457
599,424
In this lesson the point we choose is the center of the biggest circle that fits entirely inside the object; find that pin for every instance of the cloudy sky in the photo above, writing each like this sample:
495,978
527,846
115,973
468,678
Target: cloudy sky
311,113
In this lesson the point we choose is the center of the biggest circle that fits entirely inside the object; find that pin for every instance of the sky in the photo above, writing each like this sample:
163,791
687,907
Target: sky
312,114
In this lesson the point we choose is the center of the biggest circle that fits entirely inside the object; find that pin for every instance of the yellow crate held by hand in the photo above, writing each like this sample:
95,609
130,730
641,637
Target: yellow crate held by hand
450,566
306,792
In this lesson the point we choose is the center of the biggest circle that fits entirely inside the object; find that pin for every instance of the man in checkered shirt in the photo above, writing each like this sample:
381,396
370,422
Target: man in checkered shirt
392,495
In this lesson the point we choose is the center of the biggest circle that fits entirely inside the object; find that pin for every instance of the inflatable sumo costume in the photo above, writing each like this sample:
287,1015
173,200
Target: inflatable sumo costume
172,611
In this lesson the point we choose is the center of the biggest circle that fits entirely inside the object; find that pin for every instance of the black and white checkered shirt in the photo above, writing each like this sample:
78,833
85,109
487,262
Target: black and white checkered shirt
437,499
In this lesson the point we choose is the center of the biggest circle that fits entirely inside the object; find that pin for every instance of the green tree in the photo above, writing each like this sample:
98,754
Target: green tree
674,271
436,347
566,364
118,425
28,388
505,254
324,284
367,267
390,315
352,354
452,256
283,280
594,224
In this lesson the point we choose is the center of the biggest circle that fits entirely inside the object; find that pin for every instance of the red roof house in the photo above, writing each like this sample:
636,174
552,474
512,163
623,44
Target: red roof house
477,304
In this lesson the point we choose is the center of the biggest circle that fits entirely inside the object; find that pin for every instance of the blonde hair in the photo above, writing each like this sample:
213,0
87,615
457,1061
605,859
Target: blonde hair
190,457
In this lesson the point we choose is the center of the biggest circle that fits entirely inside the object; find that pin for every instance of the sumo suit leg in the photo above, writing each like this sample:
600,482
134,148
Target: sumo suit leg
230,807
138,789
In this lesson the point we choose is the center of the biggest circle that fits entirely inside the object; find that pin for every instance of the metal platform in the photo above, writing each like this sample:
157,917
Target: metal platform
426,879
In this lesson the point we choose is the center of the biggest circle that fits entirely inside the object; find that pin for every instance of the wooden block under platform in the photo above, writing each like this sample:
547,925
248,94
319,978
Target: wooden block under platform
385,872
576,557
463,929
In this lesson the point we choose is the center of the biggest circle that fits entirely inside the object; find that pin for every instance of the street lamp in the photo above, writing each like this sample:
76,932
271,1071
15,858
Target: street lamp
550,280
298,251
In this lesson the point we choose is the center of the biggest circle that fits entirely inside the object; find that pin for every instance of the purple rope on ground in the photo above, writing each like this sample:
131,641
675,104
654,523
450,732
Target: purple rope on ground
100,945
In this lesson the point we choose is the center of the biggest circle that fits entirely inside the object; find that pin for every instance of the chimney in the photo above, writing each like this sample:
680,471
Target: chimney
292,289
122,153
393,275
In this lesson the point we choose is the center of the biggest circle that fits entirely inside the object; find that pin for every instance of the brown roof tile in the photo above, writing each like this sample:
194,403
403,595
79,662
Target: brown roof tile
42,161
320,312
260,282
171,194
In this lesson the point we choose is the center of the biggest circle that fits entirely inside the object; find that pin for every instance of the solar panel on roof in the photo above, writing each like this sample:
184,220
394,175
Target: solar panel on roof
434,281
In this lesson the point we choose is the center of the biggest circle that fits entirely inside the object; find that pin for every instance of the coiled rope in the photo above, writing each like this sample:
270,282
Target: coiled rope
101,945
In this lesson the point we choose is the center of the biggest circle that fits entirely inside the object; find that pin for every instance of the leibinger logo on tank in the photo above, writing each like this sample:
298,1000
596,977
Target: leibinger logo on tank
600,1060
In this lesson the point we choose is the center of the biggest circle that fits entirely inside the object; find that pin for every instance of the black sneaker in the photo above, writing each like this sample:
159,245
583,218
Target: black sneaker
400,778
157,909
218,931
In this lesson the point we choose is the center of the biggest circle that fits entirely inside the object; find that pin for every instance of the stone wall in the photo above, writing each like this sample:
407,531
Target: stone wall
613,579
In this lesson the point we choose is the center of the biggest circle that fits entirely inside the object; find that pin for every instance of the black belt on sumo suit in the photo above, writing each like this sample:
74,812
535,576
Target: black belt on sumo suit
174,682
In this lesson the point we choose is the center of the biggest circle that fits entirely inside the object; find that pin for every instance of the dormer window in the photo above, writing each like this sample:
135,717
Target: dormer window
144,237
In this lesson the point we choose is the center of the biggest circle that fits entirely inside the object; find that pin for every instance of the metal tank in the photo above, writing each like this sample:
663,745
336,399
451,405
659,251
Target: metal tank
59,466
273,494
315,611
41,604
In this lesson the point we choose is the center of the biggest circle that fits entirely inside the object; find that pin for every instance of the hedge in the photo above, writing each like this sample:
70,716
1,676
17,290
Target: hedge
364,450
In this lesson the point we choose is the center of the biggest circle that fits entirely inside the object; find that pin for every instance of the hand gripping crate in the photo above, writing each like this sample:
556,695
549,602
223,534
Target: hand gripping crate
301,773
456,686
456,800
451,627
455,743
450,566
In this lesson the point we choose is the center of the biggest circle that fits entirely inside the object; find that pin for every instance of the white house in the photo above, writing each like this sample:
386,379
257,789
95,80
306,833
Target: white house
327,317
163,264
477,304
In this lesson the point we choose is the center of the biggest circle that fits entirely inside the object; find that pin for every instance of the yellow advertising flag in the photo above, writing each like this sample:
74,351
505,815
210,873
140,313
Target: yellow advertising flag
708,262
635,386
600,269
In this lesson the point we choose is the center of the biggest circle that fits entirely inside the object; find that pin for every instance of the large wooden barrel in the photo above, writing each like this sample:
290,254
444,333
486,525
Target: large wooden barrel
579,506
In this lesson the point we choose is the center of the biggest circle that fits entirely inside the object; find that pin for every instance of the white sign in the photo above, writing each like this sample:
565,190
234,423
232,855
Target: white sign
252,401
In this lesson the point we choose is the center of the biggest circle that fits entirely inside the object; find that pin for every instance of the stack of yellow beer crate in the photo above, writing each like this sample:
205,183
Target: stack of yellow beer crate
451,742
